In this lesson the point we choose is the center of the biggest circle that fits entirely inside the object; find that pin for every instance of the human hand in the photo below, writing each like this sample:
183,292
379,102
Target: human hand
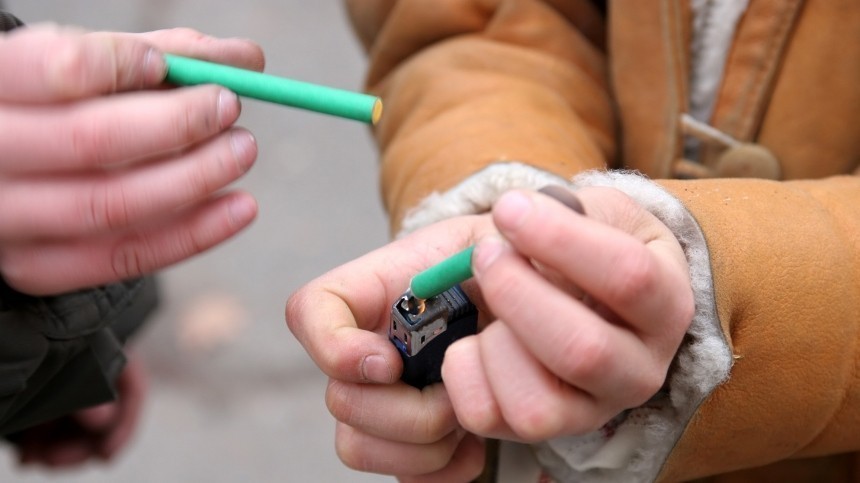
104,174
98,432
634,268
590,313
341,319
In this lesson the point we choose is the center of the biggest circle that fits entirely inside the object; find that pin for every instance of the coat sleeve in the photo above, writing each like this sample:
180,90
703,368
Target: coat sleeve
785,261
62,353
458,77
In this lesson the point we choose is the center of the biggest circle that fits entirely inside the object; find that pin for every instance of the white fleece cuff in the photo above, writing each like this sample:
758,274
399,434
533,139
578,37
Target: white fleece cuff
476,194
635,446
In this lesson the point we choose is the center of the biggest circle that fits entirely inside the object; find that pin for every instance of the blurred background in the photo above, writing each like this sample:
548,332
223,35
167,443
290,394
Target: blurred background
232,396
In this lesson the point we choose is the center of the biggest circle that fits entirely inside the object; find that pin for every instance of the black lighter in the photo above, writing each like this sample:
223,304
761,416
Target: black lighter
423,331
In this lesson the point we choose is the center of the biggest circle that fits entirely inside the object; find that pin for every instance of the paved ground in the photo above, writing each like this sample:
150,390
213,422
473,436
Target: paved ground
244,403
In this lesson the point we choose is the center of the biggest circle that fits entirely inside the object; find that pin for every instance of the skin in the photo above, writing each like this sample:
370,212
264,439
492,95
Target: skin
105,174
615,317
108,174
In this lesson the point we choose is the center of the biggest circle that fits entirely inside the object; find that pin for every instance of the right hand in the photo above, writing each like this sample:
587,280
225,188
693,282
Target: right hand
104,174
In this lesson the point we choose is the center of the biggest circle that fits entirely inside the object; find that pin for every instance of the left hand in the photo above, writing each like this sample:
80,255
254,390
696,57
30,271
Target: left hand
99,432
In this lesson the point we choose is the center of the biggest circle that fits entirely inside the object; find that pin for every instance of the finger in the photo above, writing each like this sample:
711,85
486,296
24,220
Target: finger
30,442
568,338
539,406
59,443
98,418
629,269
466,464
470,392
131,386
45,63
56,267
191,43
394,412
364,452
111,130
339,342
67,453
94,203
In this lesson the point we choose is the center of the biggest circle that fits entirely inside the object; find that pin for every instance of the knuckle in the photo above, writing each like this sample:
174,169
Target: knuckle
635,276
428,425
351,455
584,356
537,418
89,143
108,207
66,68
197,116
344,402
480,417
202,180
645,387
188,242
80,65
127,261
529,426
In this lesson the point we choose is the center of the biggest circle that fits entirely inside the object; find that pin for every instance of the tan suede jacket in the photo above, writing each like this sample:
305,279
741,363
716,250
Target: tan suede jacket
563,87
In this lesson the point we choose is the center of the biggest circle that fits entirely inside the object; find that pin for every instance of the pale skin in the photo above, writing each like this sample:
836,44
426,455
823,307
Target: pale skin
106,174
564,347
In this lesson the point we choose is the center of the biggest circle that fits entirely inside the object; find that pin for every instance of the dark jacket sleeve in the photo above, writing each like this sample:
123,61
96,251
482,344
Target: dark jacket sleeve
8,21
60,354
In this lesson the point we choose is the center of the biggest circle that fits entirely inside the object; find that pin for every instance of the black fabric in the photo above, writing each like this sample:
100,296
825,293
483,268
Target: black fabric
8,21
60,354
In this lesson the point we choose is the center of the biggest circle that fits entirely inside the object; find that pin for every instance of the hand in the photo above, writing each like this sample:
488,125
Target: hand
590,313
633,267
97,432
341,319
105,174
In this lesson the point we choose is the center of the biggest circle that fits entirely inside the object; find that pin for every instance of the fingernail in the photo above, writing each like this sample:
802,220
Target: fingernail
512,209
564,196
374,368
486,252
242,210
228,107
154,67
244,147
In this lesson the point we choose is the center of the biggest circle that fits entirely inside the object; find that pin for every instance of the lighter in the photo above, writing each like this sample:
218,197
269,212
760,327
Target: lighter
423,331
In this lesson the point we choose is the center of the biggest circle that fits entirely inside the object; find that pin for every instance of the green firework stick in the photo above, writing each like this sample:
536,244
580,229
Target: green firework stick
443,275
270,88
